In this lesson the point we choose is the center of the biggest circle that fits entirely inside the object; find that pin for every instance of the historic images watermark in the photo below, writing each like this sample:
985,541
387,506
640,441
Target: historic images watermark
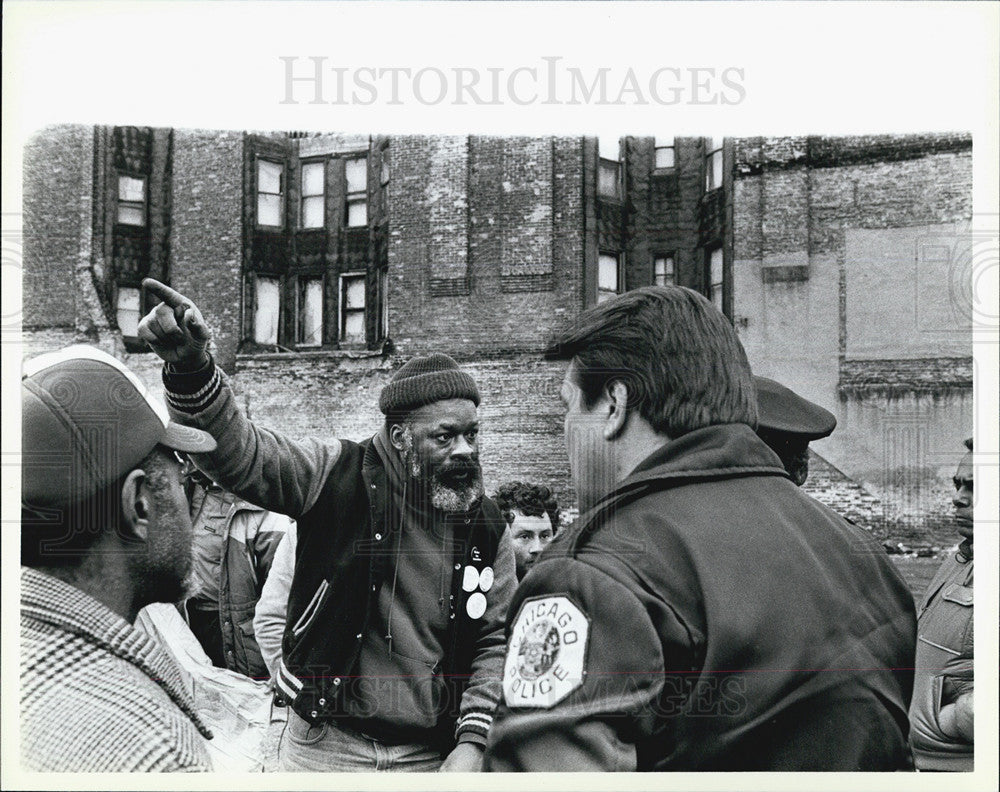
318,80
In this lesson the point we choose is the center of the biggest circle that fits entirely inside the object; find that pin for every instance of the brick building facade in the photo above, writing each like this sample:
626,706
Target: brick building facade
323,261
850,286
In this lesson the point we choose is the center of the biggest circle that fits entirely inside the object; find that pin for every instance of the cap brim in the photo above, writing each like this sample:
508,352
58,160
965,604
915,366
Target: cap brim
780,409
187,438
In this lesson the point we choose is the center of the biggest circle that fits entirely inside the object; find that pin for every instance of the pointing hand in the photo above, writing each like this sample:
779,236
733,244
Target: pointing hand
175,329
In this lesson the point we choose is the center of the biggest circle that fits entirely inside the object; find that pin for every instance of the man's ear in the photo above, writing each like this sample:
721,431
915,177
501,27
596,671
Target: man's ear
396,432
616,393
135,506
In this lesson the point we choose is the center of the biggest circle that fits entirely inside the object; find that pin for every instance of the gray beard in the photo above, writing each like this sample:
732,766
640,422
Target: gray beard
448,499
442,496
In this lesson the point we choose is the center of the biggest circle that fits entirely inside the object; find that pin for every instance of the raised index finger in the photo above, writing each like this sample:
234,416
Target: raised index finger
171,297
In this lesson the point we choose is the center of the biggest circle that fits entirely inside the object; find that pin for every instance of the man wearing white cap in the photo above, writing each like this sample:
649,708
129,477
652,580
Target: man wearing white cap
104,531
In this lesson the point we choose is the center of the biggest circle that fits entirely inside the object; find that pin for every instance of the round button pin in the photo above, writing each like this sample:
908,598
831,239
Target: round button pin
486,579
476,605
470,578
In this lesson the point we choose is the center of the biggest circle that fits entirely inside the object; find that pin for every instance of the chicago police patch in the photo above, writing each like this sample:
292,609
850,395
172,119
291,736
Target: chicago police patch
546,653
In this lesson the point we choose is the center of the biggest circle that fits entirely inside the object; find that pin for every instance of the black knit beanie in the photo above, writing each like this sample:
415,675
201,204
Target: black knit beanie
423,380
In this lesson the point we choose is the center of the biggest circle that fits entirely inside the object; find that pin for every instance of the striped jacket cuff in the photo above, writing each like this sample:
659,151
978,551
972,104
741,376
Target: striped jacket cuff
192,392
289,684
473,724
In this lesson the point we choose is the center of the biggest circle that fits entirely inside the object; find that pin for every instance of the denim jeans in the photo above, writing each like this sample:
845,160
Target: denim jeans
328,747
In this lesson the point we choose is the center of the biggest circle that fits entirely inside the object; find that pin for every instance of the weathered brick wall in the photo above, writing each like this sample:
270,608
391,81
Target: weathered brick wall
525,217
663,212
922,273
504,301
207,233
499,226
37,341
329,397
830,267
933,527
58,205
833,488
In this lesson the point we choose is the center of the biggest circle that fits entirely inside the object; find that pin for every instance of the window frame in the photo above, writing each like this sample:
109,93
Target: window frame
383,296
270,276
301,282
356,196
282,195
303,163
618,164
119,288
710,154
658,147
342,308
665,256
143,205
619,257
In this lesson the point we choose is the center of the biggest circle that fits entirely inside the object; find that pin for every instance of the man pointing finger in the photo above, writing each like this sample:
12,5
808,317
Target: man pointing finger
403,571
174,329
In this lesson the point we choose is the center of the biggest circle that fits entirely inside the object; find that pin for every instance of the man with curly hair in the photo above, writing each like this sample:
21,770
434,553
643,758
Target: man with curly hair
532,515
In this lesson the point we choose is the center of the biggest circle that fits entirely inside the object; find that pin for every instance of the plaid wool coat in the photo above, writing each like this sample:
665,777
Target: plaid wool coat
96,694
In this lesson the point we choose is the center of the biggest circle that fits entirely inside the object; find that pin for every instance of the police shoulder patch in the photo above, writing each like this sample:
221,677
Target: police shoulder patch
546,653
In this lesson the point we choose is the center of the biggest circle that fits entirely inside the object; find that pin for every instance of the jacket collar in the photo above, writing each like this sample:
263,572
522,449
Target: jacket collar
712,453
233,502
47,599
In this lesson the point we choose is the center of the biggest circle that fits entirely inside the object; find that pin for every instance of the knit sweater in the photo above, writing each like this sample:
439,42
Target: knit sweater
97,695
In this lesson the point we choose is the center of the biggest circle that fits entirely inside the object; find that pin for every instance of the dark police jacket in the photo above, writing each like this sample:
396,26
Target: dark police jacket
708,615
338,493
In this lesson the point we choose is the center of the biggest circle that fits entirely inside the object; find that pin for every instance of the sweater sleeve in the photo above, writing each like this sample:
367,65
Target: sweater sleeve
269,615
483,691
261,466
268,539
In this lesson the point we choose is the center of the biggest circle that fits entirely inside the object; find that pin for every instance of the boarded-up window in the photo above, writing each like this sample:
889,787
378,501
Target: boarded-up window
664,152
352,307
270,193
356,175
310,312
132,200
716,276
266,310
313,194
663,270
608,276
609,179
127,311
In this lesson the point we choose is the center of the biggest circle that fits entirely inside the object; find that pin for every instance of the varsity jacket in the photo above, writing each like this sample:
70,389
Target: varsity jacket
339,496
707,615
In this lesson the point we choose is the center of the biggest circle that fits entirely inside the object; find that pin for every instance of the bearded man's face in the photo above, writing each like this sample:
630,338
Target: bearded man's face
439,444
